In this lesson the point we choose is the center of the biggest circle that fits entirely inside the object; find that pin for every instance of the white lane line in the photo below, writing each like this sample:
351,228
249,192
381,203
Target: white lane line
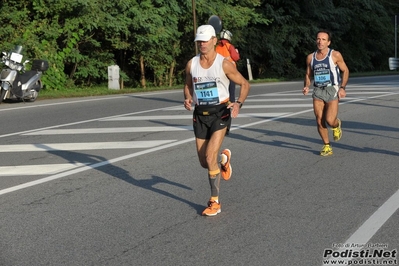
110,130
90,167
260,115
42,169
81,122
297,93
59,103
374,87
299,105
83,146
278,100
309,110
135,95
149,117
368,229
376,221
173,117
280,94
368,92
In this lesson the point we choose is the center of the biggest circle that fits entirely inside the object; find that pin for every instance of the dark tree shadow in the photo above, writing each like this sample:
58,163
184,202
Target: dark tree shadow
377,105
160,99
349,126
101,164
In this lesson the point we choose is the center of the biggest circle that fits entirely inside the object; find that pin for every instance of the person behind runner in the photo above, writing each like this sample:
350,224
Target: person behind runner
330,74
206,86
227,49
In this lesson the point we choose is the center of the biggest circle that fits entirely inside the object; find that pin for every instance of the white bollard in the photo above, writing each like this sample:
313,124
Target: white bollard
393,63
113,77
249,70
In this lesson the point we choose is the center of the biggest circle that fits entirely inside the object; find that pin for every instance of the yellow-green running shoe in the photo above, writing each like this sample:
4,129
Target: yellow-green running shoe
337,131
327,150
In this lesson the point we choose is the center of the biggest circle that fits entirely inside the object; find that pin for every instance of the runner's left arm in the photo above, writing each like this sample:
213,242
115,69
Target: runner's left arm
234,75
338,58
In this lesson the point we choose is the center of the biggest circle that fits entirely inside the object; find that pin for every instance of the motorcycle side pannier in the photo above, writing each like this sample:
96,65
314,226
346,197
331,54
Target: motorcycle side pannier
40,65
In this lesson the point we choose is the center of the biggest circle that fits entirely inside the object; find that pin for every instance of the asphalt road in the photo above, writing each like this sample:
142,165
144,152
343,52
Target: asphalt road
116,181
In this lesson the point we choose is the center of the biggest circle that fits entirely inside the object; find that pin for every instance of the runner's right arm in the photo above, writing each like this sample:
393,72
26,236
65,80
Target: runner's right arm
188,88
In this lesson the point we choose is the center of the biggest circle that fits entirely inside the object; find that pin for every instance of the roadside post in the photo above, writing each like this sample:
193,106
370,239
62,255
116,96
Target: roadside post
113,77
249,70
394,61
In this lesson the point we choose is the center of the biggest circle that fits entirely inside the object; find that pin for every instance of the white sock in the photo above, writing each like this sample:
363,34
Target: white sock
223,159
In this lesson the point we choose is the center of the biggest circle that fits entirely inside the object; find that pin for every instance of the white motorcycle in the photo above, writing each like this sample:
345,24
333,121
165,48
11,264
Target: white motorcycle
16,83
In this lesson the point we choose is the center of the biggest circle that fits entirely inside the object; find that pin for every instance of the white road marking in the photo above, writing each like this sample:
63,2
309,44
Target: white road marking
301,105
80,122
83,146
376,221
278,100
42,169
263,106
373,88
279,94
149,117
109,130
175,117
368,92
138,95
368,229
90,167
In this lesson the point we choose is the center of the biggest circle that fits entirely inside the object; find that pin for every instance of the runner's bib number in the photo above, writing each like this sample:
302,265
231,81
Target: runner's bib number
322,78
207,93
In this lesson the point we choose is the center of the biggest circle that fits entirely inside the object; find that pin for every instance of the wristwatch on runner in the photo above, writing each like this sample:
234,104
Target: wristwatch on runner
240,103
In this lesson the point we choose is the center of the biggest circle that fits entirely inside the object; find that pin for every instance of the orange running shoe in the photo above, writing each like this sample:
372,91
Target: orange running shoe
225,164
213,208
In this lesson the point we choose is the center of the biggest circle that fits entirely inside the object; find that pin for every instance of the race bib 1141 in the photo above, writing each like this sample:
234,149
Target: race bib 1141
207,93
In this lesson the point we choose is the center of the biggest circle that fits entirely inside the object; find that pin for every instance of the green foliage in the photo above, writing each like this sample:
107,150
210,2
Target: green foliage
280,49
369,53
156,38
81,38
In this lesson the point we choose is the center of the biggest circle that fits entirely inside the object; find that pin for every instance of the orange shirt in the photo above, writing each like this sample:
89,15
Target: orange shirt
227,50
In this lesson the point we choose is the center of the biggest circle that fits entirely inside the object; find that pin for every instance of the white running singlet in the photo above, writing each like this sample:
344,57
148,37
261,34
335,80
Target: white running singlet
211,86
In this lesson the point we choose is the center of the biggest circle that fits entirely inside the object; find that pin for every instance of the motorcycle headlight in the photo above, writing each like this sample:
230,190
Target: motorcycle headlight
5,85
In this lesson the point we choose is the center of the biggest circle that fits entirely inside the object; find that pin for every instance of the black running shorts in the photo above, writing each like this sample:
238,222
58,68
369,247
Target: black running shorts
208,119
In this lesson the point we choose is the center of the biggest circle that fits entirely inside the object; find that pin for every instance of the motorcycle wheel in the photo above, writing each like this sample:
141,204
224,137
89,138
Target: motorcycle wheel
34,94
2,95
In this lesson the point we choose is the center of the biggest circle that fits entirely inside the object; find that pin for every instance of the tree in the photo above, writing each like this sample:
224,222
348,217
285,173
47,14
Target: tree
155,38
152,40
